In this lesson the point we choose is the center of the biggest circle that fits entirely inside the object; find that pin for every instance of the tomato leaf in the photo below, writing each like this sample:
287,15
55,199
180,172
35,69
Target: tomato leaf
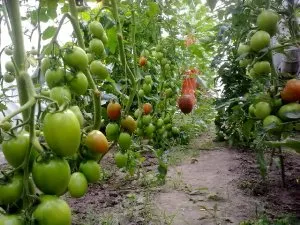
112,37
65,8
51,9
49,32
2,107
153,9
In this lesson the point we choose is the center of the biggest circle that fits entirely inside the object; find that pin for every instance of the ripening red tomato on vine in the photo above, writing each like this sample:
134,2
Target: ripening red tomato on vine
142,61
147,108
186,103
113,110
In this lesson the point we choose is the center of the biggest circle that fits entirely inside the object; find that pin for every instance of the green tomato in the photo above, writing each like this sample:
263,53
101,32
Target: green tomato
45,92
262,110
137,113
90,57
79,84
104,39
168,126
159,122
263,67
169,92
167,119
290,111
175,131
16,148
8,77
76,110
91,170
78,185
76,57
148,79
147,88
6,126
146,119
121,159
11,220
161,131
96,46
99,70
51,176
52,211
62,132
112,131
8,51
96,29
11,191
55,77
61,94
260,40
124,141
145,53
251,110
243,49
9,66
272,123
149,129
141,93
267,21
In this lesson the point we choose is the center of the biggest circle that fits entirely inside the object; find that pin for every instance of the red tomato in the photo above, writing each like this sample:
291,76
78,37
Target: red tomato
186,103
147,107
114,110
143,61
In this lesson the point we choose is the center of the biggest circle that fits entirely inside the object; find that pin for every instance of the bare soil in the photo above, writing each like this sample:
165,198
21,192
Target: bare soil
207,183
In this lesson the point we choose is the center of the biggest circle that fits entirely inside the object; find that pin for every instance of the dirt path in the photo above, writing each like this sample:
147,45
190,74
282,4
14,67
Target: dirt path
205,192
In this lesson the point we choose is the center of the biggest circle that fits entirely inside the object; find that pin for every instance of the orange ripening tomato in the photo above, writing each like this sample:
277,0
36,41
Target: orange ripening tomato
113,110
96,142
147,108
142,61
291,91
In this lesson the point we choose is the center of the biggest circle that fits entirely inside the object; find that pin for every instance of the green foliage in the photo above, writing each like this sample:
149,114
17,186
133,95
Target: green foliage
264,220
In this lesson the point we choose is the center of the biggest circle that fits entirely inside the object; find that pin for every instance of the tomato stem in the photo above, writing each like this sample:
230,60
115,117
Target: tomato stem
123,56
96,93
17,35
25,87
